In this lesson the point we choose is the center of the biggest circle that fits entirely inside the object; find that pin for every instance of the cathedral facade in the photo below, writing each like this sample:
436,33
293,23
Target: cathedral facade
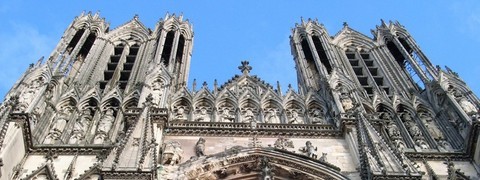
114,104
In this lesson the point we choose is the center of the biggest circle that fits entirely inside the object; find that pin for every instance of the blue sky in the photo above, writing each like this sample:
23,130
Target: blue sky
227,32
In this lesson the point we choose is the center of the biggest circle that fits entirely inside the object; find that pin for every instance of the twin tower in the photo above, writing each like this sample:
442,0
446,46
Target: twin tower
113,104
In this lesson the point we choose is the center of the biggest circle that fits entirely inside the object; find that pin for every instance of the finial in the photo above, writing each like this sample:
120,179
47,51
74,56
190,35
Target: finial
279,89
245,68
345,24
135,17
215,86
194,84
290,86
204,85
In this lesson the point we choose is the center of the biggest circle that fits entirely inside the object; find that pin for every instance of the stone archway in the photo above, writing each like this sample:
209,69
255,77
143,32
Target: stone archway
254,163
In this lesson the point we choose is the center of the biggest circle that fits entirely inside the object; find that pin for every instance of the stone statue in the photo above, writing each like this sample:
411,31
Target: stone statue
249,116
200,147
323,158
309,150
157,91
346,100
203,115
31,91
467,106
294,118
393,131
52,137
283,143
81,126
421,143
431,126
172,153
226,116
180,115
106,122
385,116
62,119
317,117
272,117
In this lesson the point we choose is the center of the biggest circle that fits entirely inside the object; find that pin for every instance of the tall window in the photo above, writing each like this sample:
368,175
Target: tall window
112,65
321,53
167,48
311,70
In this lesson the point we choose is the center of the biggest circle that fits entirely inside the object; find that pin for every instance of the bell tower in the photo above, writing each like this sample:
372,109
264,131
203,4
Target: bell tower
173,47
310,48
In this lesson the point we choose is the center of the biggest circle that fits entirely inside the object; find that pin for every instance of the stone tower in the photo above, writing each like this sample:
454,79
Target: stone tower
113,104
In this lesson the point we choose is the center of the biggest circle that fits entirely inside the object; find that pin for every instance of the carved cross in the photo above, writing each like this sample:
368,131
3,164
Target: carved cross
245,68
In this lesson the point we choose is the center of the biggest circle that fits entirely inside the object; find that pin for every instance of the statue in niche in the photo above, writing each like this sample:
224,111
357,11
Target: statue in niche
406,117
203,115
62,119
400,145
180,114
272,116
81,126
34,117
31,90
414,130
295,118
421,143
393,131
467,106
431,126
317,116
157,91
444,146
52,137
249,116
226,116
283,143
309,150
385,116
346,100
200,147
172,153
106,122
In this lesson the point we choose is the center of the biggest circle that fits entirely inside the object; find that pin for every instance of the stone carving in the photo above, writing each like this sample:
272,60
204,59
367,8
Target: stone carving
226,116
106,122
31,91
309,150
202,115
272,116
180,114
323,158
393,131
295,118
172,153
467,106
283,143
385,116
249,116
266,169
81,126
432,128
104,126
346,100
200,147
156,91
62,119
317,117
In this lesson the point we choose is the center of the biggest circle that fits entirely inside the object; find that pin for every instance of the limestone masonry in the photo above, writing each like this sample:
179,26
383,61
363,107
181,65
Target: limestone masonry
114,104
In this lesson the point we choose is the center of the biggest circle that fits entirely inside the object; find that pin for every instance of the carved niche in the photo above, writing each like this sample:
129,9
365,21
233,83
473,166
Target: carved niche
104,126
272,116
294,116
59,123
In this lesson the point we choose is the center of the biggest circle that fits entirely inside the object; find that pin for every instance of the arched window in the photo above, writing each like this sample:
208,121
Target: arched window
167,48
321,53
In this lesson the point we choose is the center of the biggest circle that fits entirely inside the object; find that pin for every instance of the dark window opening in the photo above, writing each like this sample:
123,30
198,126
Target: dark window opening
358,71
354,62
181,44
405,45
368,63
119,49
379,81
387,90
134,49
87,45
350,56
321,53
312,67
167,48
75,39
363,81
124,75
373,71
396,53
365,56
369,90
